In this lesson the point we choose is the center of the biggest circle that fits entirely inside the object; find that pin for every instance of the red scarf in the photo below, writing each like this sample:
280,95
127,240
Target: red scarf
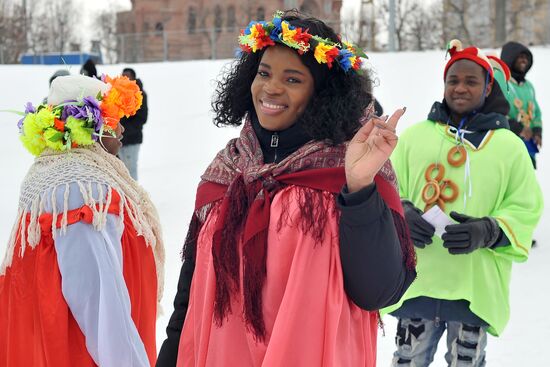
245,186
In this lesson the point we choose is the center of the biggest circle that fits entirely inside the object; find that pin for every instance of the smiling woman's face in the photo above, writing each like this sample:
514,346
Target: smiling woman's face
281,89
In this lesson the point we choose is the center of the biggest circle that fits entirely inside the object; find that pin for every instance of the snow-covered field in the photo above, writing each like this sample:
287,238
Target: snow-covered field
180,141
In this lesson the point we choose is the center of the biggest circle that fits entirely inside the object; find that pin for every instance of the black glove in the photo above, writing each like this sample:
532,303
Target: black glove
421,231
470,234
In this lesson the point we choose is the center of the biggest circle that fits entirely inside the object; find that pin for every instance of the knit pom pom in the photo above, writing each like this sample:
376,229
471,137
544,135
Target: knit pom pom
454,46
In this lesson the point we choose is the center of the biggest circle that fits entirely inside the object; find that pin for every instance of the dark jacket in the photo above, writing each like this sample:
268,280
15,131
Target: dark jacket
89,69
364,215
133,125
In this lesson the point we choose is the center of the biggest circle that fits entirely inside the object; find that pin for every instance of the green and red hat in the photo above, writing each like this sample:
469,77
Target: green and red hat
454,48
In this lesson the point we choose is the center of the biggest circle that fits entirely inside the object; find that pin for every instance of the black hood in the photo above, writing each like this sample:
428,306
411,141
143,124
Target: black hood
89,69
491,116
509,54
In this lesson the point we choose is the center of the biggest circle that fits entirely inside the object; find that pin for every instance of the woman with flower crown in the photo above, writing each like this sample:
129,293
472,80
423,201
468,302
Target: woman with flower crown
297,237
82,276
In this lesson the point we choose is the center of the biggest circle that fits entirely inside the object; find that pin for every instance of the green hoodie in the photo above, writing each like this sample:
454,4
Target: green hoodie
524,107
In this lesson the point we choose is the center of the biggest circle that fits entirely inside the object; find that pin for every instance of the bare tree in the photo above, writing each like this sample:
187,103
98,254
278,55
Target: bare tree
425,28
459,9
415,24
105,31
12,32
403,9
360,26
61,14
50,25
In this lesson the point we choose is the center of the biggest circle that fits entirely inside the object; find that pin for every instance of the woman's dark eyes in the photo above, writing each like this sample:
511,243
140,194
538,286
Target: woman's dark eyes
291,80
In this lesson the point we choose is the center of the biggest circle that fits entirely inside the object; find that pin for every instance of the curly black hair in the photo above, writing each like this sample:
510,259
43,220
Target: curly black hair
338,102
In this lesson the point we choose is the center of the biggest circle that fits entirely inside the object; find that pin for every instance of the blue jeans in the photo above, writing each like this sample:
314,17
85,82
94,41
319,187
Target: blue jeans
129,155
417,341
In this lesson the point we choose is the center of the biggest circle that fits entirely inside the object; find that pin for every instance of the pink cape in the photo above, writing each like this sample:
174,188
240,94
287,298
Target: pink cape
310,321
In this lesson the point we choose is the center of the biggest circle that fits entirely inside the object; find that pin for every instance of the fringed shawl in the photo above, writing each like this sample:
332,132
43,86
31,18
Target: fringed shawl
242,187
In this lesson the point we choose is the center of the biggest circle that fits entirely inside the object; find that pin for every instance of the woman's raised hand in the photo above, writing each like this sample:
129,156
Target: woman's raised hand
369,149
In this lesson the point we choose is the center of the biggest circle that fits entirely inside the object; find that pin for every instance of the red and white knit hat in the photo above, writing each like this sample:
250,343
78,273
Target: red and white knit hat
454,48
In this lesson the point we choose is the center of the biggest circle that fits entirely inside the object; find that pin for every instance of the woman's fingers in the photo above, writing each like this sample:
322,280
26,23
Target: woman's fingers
394,119
383,134
364,132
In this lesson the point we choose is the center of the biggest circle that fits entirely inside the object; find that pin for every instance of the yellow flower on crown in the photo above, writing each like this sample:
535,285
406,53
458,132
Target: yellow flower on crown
321,52
288,34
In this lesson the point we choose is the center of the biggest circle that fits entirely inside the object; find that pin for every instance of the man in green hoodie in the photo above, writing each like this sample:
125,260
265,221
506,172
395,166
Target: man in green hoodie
525,115
465,162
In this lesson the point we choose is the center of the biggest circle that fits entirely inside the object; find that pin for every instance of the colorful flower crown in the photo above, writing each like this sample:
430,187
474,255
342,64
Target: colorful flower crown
260,34
79,110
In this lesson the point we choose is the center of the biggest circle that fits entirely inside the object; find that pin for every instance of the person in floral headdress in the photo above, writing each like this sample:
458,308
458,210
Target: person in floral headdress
82,275
298,235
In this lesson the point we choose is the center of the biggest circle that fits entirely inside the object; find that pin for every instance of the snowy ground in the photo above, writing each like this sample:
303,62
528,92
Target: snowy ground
180,141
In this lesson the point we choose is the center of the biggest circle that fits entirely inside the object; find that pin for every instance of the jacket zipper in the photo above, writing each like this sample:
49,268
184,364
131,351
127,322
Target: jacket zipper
275,144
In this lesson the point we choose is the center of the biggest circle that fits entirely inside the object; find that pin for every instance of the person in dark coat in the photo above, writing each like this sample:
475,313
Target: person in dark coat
89,69
133,130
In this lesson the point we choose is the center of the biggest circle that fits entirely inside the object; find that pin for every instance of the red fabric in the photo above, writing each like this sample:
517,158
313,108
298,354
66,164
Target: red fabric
469,53
37,327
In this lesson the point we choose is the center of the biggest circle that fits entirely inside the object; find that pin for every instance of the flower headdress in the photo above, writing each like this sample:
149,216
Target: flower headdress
260,34
79,110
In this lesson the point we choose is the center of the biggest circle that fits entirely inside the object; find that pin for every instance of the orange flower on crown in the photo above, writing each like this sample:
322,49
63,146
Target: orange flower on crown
123,99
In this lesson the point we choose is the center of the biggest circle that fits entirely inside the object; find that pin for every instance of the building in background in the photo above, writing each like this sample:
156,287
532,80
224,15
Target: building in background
160,30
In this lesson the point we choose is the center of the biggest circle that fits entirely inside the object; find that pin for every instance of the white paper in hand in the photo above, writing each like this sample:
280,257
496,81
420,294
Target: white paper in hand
437,218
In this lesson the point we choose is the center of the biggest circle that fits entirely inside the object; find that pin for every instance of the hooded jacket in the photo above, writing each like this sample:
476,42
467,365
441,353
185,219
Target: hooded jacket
524,108
509,54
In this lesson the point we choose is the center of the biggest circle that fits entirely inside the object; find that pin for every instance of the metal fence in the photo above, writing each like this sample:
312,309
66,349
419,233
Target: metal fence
206,43
159,46
209,43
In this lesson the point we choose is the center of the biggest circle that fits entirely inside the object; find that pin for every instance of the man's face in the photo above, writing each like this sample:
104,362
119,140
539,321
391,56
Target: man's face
465,87
521,63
